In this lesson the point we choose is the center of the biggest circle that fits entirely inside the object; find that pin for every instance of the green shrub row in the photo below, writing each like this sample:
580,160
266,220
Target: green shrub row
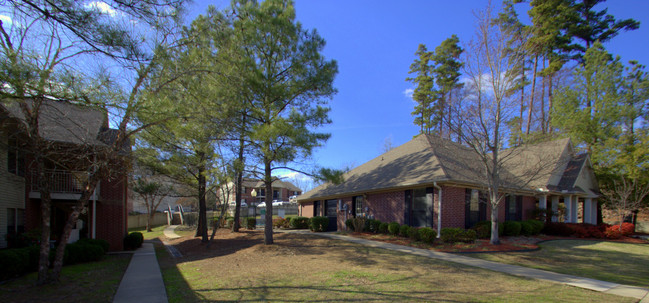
299,222
18,261
454,234
318,223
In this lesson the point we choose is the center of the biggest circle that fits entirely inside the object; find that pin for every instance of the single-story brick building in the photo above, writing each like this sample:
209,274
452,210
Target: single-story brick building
434,182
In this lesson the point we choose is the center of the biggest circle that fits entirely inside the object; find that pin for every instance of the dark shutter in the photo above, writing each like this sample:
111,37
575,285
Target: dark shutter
408,202
519,208
467,208
430,193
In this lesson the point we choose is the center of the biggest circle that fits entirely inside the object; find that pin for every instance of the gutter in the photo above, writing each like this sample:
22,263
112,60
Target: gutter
439,209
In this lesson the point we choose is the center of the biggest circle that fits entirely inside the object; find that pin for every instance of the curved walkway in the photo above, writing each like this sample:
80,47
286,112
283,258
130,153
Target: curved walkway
592,284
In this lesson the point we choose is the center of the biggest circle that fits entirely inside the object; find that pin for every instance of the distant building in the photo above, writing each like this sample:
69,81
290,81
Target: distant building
282,191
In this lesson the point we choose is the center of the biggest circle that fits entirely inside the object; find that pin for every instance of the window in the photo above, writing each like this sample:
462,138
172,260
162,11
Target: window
243,189
276,194
422,207
15,159
261,192
475,207
15,220
331,208
514,208
358,206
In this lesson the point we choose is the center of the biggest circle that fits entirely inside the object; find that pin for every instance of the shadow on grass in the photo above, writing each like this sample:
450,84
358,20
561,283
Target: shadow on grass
178,290
341,292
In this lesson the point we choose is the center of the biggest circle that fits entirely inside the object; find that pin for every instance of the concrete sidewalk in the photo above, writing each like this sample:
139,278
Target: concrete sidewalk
592,284
142,281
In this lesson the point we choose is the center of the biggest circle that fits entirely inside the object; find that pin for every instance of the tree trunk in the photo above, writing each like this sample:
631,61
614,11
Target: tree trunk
531,105
239,171
550,99
201,231
89,188
495,240
543,130
268,224
46,210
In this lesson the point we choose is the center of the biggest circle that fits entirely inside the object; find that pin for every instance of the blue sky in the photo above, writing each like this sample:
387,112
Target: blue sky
374,44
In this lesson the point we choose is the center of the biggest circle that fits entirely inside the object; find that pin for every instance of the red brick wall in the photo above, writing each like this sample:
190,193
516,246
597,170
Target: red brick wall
32,213
111,213
341,213
387,207
453,206
529,204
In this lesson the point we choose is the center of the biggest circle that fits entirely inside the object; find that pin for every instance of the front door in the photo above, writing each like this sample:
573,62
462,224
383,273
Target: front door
330,212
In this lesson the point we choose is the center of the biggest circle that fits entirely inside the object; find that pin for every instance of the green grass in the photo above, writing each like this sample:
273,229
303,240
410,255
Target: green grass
622,263
88,282
338,271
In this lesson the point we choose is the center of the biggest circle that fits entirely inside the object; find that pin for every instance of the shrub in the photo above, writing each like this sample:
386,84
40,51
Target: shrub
512,228
383,227
190,219
373,225
483,229
403,230
467,236
133,240
319,223
557,229
413,233
349,224
587,231
280,223
99,242
14,262
531,227
80,253
358,224
229,222
251,223
450,234
393,228
427,234
627,228
299,222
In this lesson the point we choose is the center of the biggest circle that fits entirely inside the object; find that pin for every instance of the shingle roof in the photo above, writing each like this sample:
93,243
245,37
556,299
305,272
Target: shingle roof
277,184
63,121
428,159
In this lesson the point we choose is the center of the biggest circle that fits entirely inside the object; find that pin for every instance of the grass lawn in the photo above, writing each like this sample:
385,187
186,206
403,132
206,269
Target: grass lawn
158,231
622,263
88,282
306,268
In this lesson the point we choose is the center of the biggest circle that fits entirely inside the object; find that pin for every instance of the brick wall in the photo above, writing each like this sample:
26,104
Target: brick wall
387,207
341,213
453,206
529,204
111,213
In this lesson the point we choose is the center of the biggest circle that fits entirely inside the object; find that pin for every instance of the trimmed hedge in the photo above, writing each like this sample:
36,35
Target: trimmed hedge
512,228
393,228
427,234
383,227
452,235
80,253
133,240
99,242
403,230
373,225
299,222
319,223
413,233
349,224
557,229
531,227
14,262
483,229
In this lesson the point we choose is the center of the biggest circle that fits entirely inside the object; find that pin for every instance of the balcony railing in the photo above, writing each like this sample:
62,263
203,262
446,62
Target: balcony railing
61,181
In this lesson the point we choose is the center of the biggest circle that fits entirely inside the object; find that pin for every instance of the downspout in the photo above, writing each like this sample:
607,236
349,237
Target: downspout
439,209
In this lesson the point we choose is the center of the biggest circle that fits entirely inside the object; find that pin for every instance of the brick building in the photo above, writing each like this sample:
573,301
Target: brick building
433,182
282,191
63,124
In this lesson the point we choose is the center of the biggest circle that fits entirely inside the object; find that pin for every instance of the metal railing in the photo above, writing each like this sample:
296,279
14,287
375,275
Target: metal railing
61,181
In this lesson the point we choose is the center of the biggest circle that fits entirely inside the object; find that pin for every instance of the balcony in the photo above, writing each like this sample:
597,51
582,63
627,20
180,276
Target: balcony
65,185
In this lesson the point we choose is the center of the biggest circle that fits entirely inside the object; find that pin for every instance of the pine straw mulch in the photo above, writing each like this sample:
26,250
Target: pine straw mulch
507,244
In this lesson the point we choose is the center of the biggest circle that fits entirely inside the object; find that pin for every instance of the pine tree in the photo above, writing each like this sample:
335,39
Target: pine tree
424,91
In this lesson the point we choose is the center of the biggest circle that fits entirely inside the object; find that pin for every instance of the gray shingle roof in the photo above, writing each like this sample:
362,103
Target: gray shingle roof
277,184
62,121
428,159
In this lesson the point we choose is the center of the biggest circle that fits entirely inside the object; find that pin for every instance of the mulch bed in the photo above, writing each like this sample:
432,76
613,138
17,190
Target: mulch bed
507,244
